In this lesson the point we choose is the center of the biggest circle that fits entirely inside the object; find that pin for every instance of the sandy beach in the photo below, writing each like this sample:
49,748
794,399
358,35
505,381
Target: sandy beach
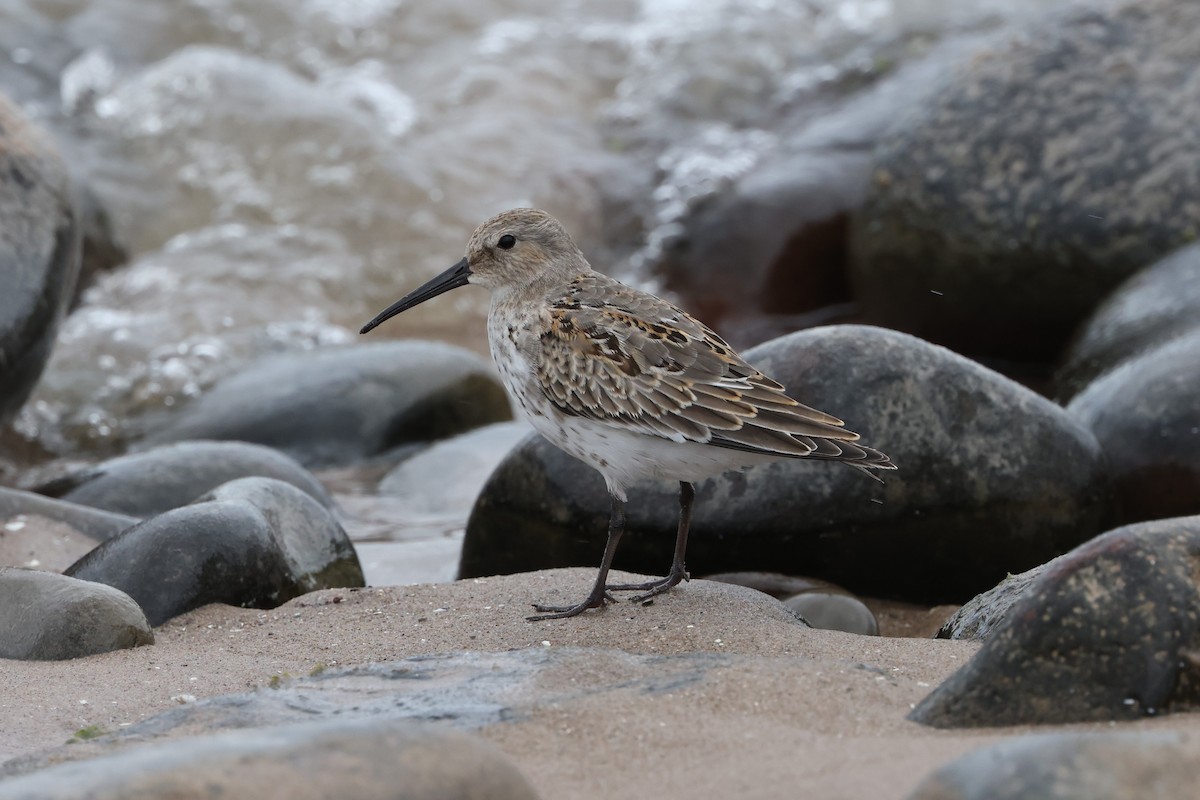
778,709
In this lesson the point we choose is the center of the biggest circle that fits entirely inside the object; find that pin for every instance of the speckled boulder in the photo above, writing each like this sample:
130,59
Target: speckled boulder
253,542
39,254
341,404
156,480
364,759
992,479
1110,631
987,611
1146,416
1072,766
49,617
1049,170
1158,304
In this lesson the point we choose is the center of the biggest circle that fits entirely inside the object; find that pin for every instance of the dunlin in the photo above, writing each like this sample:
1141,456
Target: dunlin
625,381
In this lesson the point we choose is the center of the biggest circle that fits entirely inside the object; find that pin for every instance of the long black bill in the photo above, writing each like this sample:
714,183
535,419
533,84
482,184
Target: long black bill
450,279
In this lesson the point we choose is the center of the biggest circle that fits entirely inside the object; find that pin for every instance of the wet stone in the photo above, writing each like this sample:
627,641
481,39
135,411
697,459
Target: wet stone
1072,766
1146,417
48,617
39,254
1004,210
1110,631
338,405
1155,306
92,522
156,480
253,542
992,479
363,759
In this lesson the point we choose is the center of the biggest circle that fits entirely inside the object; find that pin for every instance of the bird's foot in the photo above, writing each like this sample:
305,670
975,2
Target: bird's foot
652,588
599,598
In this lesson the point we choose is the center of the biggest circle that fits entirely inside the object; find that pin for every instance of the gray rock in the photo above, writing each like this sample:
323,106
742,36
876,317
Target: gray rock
446,477
93,522
1072,766
992,479
1156,305
156,480
1046,172
784,225
48,617
253,542
985,612
1146,417
39,254
821,604
834,611
342,404
1109,631
364,759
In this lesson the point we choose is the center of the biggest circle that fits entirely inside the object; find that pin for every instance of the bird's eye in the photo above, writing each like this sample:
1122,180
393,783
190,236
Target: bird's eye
506,241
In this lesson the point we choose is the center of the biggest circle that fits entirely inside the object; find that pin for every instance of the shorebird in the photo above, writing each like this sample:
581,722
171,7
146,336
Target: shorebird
625,381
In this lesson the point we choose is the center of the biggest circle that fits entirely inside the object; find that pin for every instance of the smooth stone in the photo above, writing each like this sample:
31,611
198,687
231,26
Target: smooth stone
1156,305
992,478
1146,416
1051,167
821,604
49,617
832,611
446,477
93,522
39,254
1107,632
361,759
156,480
252,542
1070,765
342,404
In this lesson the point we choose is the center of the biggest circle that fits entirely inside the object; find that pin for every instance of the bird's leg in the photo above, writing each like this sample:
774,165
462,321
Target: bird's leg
599,595
687,493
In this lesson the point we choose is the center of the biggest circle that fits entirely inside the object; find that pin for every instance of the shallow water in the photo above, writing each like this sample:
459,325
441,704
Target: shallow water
282,169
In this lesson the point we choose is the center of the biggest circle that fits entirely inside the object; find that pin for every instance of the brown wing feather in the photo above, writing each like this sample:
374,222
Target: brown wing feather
611,353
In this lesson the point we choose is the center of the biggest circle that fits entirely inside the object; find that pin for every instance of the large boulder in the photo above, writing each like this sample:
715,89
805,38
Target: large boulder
1049,169
342,404
39,254
1158,304
253,542
992,479
1109,631
1146,416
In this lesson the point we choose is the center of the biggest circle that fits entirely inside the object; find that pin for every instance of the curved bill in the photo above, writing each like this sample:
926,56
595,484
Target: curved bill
450,279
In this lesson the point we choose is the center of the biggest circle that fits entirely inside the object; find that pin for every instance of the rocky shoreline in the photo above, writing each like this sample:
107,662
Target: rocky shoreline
1010,269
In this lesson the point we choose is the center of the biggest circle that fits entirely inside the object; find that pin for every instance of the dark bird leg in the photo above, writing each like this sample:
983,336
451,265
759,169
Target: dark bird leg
599,595
687,493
